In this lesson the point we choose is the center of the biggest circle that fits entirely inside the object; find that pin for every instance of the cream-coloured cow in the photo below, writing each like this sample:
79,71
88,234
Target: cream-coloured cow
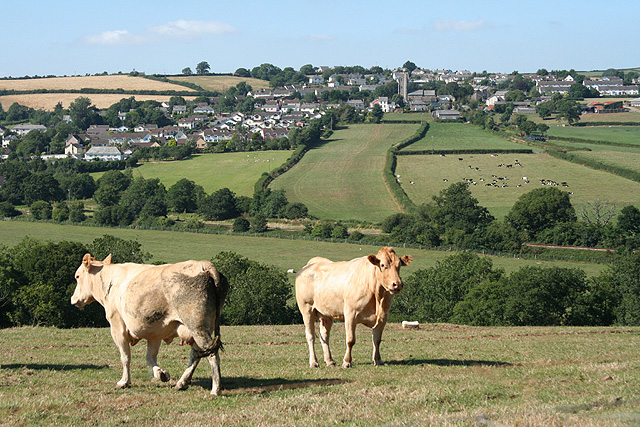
356,291
156,303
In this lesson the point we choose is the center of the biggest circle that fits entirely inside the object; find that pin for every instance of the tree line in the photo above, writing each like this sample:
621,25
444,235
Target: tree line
37,281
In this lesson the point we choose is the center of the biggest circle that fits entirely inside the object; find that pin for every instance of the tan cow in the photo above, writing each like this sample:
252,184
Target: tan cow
158,302
356,291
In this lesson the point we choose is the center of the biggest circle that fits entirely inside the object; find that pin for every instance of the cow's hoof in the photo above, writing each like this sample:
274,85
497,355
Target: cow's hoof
313,364
215,392
164,376
123,384
346,365
378,363
181,386
331,363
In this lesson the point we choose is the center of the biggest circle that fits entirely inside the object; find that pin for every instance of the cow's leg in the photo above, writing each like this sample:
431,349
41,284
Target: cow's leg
119,335
185,379
325,330
350,332
309,318
376,334
214,361
153,346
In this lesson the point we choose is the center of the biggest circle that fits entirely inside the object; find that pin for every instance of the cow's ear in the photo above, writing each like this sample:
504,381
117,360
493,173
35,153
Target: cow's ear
406,259
107,260
86,261
374,260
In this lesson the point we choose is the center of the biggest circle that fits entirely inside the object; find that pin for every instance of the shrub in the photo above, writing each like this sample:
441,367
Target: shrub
241,224
7,210
258,293
41,210
259,223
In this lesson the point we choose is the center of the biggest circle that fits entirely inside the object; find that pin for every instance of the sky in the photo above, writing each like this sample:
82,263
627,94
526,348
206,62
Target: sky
70,37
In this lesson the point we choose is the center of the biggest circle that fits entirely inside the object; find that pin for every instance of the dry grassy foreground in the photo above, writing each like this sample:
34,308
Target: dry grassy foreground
442,375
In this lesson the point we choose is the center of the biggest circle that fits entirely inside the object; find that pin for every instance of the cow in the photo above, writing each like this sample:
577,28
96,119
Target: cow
356,291
156,303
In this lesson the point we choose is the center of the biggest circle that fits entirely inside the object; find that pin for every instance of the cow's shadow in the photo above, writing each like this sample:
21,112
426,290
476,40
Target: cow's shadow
51,367
248,385
448,362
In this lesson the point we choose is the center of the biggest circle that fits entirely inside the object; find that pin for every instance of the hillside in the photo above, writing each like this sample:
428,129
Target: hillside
342,179
47,101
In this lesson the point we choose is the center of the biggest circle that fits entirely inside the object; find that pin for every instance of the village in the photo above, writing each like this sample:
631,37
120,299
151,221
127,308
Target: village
276,111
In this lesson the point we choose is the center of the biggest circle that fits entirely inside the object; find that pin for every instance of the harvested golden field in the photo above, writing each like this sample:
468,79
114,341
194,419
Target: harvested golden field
221,83
124,82
47,101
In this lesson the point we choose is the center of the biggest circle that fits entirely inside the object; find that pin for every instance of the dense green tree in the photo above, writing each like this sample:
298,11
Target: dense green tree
241,225
540,209
456,214
258,293
187,71
203,67
307,69
242,72
7,210
83,113
60,212
410,66
76,211
121,250
623,277
183,196
258,223
148,195
218,206
569,110
430,295
628,222
377,113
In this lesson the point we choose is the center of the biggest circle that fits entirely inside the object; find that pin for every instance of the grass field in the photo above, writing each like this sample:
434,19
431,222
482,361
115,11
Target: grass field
440,374
170,246
343,178
236,171
428,173
221,83
452,136
617,134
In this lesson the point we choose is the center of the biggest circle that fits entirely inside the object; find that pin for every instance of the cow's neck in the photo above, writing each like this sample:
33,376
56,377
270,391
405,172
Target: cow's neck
102,285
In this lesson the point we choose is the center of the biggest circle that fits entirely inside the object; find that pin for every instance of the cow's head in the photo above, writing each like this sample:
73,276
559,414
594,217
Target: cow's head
86,280
388,268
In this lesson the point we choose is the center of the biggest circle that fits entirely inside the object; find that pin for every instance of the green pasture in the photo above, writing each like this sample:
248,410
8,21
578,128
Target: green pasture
628,160
236,171
171,246
616,134
455,136
426,116
440,374
342,179
428,173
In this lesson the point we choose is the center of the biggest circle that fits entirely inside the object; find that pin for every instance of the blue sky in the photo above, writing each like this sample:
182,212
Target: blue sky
72,37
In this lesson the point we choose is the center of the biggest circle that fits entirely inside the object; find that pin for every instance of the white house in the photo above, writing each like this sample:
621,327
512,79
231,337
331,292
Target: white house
104,153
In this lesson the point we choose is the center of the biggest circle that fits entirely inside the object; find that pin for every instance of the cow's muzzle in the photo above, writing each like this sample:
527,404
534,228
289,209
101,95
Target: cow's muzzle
395,287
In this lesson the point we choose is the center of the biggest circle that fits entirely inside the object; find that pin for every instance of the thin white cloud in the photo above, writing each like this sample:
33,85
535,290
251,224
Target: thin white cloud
112,38
175,30
320,37
460,25
189,30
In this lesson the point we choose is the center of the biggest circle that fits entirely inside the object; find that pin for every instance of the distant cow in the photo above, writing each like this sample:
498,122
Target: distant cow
158,302
356,291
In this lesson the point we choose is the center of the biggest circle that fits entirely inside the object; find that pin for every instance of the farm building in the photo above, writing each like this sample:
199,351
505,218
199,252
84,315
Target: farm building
104,153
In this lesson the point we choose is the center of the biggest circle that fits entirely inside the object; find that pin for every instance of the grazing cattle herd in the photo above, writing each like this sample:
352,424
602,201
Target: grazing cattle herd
184,300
